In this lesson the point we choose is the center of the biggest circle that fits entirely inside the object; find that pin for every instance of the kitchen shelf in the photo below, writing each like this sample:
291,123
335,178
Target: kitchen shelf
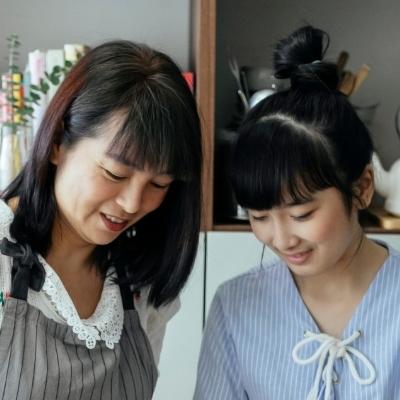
205,45
246,228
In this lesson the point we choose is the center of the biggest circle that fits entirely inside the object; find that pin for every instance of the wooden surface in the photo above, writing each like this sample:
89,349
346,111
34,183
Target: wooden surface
204,40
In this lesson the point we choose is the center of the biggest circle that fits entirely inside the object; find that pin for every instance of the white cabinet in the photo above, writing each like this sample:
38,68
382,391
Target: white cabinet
229,254
391,239
180,352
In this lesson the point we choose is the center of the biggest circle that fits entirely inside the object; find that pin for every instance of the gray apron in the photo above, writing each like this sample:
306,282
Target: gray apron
43,359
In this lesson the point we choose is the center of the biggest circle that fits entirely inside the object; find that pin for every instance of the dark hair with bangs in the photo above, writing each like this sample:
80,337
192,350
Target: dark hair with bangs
160,130
304,139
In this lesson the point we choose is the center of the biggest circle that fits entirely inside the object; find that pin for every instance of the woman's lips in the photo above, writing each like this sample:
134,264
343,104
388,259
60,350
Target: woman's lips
114,224
298,258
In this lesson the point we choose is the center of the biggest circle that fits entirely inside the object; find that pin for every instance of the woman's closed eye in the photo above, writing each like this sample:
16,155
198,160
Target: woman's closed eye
303,217
259,218
112,176
161,185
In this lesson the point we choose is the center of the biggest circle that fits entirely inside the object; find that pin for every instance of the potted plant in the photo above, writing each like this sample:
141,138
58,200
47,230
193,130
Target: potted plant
17,111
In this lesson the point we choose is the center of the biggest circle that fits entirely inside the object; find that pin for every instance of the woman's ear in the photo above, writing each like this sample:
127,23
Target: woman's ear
55,154
364,188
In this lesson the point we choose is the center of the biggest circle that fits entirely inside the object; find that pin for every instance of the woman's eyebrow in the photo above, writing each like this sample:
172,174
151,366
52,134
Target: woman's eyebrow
300,202
134,166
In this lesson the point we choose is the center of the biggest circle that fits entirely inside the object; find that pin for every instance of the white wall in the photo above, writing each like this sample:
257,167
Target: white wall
44,24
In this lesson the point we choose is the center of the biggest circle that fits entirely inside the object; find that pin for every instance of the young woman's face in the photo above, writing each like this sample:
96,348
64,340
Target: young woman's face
98,197
312,237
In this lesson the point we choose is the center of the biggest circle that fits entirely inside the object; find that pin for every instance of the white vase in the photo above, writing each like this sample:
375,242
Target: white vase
388,184
14,147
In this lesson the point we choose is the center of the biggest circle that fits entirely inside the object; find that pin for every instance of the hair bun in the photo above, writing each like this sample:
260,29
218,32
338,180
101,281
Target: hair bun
299,57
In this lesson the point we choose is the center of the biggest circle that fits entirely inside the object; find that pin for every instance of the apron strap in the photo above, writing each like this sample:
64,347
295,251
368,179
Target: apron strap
126,292
27,271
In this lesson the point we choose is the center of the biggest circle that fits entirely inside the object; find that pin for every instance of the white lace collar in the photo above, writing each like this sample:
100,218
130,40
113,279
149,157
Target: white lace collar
105,324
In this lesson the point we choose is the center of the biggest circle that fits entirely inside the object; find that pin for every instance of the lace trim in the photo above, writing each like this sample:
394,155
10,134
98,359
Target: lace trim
105,324
6,217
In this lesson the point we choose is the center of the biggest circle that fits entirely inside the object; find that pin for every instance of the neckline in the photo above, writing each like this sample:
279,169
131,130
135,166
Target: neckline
106,322
358,309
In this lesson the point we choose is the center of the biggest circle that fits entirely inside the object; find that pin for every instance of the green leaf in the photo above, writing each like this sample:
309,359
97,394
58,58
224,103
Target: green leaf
68,64
44,87
34,96
55,80
14,69
56,69
34,87
26,111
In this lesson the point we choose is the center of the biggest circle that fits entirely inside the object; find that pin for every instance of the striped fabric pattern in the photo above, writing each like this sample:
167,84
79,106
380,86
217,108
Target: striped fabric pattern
42,359
257,319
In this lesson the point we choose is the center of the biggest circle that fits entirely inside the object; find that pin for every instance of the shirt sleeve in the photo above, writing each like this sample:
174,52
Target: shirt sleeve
5,270
154,320
218,375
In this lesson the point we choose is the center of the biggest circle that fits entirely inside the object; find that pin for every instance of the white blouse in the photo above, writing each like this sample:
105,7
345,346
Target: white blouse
107,320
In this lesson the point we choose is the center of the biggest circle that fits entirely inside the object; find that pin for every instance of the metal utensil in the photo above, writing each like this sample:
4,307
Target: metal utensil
234,67
244,100
245,84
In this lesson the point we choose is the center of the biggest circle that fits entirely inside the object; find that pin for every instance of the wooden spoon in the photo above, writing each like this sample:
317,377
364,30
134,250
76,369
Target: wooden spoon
360,77
347,84
342,61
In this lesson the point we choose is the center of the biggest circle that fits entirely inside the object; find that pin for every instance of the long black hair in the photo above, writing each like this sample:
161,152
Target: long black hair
161,131
304,139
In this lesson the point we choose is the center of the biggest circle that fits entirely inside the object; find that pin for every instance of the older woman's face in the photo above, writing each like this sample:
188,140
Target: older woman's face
99,197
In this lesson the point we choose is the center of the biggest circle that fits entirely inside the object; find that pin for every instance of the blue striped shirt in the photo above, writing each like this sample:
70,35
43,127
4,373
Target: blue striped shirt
257,319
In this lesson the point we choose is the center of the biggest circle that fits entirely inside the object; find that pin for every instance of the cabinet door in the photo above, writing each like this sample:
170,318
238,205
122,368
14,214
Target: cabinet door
181,347
228,255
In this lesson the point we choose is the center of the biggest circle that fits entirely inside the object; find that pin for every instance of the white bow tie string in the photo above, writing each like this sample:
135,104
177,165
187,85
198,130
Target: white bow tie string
329,350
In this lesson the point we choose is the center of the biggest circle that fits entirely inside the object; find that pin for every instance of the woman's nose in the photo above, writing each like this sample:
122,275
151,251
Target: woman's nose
282,237
130,198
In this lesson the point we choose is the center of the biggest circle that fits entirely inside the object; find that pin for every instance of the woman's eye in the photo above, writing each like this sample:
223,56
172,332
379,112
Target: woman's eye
113,176
259,217
303,217
162,186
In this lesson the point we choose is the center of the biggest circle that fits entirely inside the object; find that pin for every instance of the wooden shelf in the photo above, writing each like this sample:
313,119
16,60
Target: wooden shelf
246,228
232,227
368,220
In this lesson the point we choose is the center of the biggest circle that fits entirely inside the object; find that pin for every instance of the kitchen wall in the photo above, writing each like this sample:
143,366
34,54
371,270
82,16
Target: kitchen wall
47,24
367,29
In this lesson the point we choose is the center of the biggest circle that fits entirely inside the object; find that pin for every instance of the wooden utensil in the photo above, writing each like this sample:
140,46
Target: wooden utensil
360,77
347,84
342,61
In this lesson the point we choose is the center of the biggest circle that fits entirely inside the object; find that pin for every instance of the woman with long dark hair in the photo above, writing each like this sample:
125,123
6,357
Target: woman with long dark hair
100,230
321,321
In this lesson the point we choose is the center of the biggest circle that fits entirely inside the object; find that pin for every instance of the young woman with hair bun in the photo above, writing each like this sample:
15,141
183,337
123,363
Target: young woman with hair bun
320,321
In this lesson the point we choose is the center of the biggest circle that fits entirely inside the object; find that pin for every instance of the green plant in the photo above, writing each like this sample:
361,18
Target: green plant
20,107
